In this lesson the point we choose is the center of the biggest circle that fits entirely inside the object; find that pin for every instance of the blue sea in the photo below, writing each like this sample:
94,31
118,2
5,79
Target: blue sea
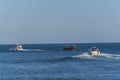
55,63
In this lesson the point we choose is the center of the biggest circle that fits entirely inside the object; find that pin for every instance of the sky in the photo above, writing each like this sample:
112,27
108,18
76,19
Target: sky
59,21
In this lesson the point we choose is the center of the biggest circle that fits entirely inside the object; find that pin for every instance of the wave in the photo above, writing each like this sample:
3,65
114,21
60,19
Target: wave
22,60
102,55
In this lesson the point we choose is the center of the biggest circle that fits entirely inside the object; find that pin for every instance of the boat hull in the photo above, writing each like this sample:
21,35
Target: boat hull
95,53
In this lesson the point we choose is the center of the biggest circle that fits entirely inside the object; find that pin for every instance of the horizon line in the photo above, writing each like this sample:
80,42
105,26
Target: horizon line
60,43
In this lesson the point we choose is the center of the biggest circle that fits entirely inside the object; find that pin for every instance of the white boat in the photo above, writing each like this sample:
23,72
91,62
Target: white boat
94,51
19,47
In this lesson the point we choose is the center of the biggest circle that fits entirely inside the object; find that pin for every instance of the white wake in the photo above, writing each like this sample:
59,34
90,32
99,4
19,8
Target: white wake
32,50
102,55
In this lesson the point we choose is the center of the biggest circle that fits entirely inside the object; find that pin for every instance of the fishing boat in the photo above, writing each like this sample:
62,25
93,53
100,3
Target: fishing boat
69,48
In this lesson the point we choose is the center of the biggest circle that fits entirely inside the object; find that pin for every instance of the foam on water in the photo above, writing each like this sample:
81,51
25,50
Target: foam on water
102,55
111,56
30,50
84,55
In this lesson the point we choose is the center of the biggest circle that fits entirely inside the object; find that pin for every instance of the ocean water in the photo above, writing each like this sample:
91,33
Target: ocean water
54,63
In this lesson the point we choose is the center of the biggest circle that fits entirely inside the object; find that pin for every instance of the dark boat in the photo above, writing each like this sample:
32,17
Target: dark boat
69,48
